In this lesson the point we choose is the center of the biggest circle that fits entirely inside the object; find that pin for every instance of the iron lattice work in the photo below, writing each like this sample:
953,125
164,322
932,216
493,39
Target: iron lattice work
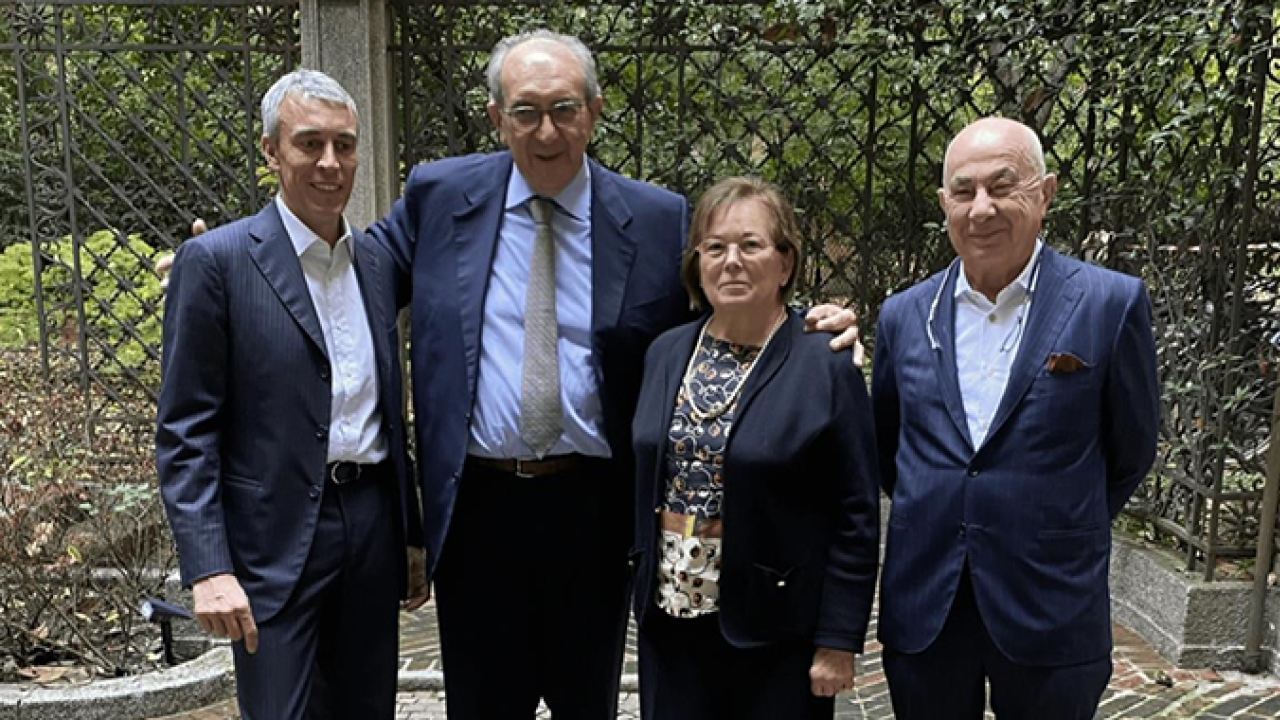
1161,119
132,117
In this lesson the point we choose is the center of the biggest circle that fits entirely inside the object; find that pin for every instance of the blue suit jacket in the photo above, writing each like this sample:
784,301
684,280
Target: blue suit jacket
442,233
801,508
1030,510
242,432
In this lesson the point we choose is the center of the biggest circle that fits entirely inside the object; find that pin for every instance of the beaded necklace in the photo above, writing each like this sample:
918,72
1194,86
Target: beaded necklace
696,413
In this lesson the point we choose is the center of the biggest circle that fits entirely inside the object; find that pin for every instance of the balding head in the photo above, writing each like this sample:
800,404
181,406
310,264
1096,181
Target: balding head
994,131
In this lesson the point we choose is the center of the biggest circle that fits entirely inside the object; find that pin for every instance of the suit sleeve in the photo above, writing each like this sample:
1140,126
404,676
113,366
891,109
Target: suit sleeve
853,559
397,234
884,398
192,395
1131,406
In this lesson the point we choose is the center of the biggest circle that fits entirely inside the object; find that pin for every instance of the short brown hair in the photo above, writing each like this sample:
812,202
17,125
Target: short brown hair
785,233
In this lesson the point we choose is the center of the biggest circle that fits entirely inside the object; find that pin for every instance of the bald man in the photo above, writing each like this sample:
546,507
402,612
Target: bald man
1017,408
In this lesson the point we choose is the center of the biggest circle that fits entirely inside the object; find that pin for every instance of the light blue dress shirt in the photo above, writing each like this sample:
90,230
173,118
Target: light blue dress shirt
988,335
495,420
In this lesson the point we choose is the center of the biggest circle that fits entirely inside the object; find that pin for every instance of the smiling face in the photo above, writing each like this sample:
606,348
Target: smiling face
740,267
995,199
541,74
314,154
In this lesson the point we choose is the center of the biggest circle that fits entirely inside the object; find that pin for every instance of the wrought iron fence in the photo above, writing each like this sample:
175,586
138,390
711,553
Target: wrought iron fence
1161,118
130,116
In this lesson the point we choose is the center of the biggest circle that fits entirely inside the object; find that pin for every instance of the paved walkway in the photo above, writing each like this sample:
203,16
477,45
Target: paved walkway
1142,686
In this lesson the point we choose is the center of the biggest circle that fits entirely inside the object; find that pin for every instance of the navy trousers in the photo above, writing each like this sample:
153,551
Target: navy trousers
331,652
948,680
531,593
688,671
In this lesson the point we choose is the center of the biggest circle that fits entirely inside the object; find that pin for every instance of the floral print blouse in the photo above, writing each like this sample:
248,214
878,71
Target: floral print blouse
689,564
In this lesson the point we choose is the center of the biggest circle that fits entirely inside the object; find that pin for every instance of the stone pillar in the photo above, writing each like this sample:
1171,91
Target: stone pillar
348,40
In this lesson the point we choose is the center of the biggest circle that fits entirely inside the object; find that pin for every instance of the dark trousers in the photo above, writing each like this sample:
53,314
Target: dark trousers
947,681
531,594
688,671
331,651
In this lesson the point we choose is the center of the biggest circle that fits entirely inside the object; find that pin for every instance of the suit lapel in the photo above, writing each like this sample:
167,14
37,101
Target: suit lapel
612,248
475,237
276,260
1054,300
369,274
945,361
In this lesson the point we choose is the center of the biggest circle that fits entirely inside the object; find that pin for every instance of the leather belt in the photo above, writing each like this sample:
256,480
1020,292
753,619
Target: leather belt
531,468
691,525
345,473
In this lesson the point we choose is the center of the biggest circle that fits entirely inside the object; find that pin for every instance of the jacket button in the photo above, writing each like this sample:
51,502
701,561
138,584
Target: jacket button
657,511
314,493
782,583
324,373
320,434
963,528
973,472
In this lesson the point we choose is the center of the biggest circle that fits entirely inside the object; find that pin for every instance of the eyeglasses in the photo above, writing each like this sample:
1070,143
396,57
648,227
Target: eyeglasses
717,249
527,118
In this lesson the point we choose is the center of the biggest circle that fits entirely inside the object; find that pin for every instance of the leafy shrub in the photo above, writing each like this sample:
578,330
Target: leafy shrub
82,531
120,291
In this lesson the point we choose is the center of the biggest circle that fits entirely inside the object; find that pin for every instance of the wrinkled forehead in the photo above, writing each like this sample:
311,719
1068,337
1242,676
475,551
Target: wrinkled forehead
984,164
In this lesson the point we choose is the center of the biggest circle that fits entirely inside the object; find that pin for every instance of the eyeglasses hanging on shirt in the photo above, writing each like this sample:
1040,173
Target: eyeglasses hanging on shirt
1011,338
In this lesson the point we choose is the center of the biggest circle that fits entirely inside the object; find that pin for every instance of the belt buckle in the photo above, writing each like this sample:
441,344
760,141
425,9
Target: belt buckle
338,480
520,471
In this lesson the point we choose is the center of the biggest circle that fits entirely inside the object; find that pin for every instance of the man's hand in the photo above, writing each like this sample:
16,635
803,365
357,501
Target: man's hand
419,589
835,319
165,263
831,672
223,609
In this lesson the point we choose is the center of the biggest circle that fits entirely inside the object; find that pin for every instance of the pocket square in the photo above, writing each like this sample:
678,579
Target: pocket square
1065,364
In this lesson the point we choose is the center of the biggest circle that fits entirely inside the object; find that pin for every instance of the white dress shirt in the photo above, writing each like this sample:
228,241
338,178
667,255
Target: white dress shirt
987,339
355,422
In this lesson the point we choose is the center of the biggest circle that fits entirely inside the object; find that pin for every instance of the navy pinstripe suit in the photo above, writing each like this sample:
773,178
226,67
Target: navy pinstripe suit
241,447
1023,520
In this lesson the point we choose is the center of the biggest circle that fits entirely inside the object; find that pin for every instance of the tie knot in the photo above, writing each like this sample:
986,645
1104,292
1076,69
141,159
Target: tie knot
541,208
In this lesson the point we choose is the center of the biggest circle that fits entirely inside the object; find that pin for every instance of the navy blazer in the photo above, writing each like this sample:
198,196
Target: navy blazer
442,233
801,506
243,426
1030,510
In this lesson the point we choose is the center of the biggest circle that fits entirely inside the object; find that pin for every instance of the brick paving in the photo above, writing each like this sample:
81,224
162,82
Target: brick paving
1142,685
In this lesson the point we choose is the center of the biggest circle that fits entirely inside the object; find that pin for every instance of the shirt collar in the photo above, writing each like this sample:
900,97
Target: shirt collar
574,199
301,236
1022,282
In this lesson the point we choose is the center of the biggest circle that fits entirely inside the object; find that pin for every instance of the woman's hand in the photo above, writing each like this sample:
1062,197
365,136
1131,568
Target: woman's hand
831,672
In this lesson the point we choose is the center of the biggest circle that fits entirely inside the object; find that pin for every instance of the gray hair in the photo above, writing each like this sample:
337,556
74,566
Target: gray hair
306,85
500,51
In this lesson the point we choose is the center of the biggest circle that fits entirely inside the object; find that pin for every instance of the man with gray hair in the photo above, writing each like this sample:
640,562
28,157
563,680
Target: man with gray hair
279,443
538,279
1017,409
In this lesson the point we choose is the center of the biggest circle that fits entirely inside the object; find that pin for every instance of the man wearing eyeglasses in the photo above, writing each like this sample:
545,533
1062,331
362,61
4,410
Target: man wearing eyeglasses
1017,409
538,280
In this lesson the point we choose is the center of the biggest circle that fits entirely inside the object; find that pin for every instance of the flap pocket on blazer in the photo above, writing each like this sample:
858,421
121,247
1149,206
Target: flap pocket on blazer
241,480
1070,533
